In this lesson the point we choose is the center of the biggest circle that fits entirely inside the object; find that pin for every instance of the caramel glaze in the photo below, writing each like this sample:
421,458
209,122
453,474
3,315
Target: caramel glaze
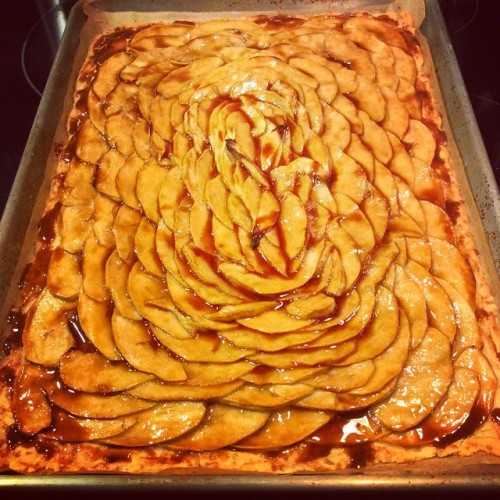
495,416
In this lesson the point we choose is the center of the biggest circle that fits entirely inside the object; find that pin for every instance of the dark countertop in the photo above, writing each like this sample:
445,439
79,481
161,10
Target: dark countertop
30,31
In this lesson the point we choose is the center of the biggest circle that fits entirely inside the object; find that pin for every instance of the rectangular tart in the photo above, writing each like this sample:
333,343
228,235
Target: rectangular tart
255,257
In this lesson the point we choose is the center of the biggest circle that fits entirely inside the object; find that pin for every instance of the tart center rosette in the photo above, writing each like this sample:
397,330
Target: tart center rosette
252,246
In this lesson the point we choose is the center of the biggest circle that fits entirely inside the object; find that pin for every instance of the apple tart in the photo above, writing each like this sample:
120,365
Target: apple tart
255,257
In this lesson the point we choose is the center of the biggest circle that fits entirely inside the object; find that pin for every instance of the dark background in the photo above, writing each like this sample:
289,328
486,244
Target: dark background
30,31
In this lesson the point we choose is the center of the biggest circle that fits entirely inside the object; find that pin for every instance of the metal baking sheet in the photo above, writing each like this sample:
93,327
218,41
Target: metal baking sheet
28,196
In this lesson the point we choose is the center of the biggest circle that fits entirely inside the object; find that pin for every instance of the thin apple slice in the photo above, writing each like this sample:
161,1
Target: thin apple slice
289,358
423,382
274,322
200,227
376,209
272,253
264,375
64,276
222,426
74,226
284,428
96,405
162,423
119,130
438,223
206,347
380,332
159,391
138,347
117,272
125,226
68,428
90,144
375,137
252,339
272,396
95,320
343,378
293,223
107,376
104,213
171,192
449,265
46,336
442,314
421,141
316,306
149,181
412,301
141,138
126,180
217,195
419,250
78,183
93,268
226,241
204,374
145,248
107,76
389,364
347,402
350,177
241,311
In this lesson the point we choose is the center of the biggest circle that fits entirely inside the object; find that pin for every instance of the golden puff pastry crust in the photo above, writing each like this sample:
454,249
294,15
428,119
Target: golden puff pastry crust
255,257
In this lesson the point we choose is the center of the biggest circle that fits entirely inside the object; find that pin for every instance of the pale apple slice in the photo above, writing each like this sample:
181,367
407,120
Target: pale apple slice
376,209
343,378
104,214
122,100
137,345
202,265
93,268
441,313
427,185
289,358
336,278
96,405
141,138
270,397
32,413
412,301
253,259
347,402
78,183
293,223
94,317
204,374
283,428
165,247
119,130
125,226
149,181
107,376
126,181
200,227
96,111
264,375
424,381
145,248
449,265
380,332
274,321
239,213
347,307
350,178
171,193
117,272
384,181
419,250
468,334
319,400
397,118
272,253
380,262
449,415
238,275
245,310
389,364
163,422
74,226
401,163
222,426
205,347
439,225
90,144
159,116
64,276
348,251
226,241
217,195
355,222
107,76
159,391
421,141
316,306
352,326
252,339
46,336
410,204
375,137
68,428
